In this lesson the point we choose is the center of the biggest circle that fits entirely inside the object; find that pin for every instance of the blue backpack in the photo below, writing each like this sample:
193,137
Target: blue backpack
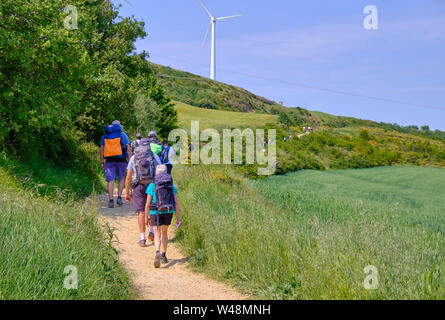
164,155
113,142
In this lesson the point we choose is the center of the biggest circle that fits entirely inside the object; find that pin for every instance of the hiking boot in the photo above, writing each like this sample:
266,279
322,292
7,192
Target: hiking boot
142,243
111,204
119,201
157,260
151,236
164,259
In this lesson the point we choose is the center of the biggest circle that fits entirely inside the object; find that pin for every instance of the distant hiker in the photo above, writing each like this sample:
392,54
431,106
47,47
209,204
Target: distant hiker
136,142
153,137
167,155
162,202
191,147
155,145
140,173
304,129
290,137
284,139
114,152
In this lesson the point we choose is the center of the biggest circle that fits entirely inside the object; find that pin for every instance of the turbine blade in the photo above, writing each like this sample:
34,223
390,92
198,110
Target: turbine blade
207,34
205,9
229,17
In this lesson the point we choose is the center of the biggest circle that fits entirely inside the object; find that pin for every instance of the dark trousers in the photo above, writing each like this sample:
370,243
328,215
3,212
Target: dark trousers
169,168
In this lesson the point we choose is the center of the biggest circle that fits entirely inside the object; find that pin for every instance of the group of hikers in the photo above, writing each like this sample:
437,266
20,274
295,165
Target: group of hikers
147,181
308,129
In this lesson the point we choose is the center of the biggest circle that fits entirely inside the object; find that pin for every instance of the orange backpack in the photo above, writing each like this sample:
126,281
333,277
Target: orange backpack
113,141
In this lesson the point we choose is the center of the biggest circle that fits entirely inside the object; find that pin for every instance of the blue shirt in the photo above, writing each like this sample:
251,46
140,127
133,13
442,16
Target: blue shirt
151,191
124,139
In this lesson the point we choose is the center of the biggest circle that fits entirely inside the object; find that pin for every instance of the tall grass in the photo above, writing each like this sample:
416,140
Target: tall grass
309,235
44,229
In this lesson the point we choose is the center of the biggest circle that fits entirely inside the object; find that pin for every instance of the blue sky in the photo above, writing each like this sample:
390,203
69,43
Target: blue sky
318,43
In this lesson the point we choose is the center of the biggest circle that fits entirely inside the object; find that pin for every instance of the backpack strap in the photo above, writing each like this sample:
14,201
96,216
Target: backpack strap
165,157
124,146
157,201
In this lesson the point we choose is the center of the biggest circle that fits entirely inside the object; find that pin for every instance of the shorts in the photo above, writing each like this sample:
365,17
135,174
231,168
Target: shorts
113,169
165,219
139,198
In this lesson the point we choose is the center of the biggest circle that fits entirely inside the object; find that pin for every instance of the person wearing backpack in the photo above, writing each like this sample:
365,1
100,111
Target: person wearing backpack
140,173
114,152
162,202
136,142
155,145
167,154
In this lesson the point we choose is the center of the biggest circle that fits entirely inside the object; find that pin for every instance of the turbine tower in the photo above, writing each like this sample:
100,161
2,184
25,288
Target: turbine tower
213,26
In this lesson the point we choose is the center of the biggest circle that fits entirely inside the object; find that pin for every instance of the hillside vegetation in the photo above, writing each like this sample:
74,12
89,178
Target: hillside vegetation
309,235
219,119
204,93
325,148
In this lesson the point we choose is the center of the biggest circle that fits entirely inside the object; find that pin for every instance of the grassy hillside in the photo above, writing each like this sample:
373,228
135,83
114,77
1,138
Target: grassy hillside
309,235
219,119
326,148
204,93
45,226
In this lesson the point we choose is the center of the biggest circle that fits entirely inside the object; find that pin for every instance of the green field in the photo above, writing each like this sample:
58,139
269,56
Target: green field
219,119
310,234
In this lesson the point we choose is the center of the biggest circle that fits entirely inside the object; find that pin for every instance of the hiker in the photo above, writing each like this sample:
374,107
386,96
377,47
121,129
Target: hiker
140,173
304,129
153,137
155,145
284,139
136,142
114,152
167,155
160,214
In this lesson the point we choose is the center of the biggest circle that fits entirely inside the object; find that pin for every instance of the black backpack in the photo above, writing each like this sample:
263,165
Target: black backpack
144,163
165,199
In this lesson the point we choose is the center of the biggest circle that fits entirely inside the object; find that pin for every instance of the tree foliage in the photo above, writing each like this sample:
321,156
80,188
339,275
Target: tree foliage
59,86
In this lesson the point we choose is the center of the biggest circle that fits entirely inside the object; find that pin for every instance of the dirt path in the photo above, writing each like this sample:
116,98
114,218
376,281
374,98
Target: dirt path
303,134
173,281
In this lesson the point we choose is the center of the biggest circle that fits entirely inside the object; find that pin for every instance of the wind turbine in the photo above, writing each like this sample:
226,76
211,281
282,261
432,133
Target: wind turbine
213,26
